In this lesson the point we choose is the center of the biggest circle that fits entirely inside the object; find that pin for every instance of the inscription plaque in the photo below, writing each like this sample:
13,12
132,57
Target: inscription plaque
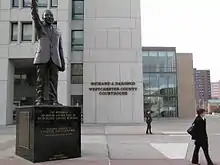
62,131
24,128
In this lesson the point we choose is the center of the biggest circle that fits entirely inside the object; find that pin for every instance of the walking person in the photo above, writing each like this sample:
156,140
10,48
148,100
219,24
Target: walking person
200,137
148,121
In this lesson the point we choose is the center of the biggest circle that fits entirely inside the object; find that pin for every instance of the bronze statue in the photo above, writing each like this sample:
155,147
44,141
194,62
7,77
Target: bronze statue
49,57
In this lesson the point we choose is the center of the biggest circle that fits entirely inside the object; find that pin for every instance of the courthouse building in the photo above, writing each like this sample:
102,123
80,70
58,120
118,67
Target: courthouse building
103,54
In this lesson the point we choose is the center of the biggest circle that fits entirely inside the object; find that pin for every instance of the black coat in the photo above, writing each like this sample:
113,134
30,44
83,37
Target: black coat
148,119
199,130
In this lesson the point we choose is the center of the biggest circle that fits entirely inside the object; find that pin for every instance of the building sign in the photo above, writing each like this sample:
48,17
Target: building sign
113,88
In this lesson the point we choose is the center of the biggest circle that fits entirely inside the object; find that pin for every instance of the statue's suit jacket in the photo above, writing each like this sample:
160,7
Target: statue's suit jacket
49,43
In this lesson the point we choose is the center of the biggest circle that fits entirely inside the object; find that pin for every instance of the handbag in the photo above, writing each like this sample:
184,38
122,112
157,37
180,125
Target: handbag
190,130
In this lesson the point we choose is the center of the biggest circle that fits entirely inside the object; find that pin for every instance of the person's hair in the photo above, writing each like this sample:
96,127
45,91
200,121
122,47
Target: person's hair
200,111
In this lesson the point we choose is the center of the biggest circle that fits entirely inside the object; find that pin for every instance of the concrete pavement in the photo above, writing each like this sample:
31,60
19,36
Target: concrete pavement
118,144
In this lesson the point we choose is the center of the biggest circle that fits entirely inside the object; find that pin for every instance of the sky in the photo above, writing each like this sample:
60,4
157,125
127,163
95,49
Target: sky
192,26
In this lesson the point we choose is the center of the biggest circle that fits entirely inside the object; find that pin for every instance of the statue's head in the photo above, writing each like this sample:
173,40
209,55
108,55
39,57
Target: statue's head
48,17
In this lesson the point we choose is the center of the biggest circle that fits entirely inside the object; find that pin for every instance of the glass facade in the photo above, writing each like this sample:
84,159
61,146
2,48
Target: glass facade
160,83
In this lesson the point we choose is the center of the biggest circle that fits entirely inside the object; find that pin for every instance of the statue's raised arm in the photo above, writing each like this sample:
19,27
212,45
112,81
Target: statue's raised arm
35,15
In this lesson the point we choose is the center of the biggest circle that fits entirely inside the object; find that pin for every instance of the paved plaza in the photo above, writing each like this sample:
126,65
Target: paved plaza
119,145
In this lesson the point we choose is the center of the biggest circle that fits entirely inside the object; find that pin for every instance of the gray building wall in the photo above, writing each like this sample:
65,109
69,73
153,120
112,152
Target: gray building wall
186,85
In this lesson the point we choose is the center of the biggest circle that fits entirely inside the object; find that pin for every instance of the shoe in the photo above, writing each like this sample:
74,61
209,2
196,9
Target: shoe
196,163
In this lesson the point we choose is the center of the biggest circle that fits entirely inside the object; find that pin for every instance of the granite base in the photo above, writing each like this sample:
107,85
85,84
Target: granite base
46,133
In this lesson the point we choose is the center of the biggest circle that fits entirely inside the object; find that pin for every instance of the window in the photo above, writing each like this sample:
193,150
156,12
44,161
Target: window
40,3
150,64
162,61
171,59
26,3
153,54
14,31
160,94
77,73
20,79
77,40
26,31
77,100
54,3
77,9
146,84
163,81
15,3
154,79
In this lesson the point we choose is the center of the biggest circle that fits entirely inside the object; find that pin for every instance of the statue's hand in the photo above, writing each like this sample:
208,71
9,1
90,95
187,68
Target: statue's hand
33,4
62,69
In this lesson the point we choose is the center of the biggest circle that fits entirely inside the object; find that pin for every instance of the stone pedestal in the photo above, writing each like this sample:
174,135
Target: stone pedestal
45,133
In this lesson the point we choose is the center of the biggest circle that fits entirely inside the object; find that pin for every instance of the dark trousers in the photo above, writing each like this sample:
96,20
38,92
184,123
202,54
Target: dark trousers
205,148
47,73
148,128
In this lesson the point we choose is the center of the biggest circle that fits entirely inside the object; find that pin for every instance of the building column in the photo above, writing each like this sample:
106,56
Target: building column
64,25
49,4
19,32
6,92
20,4
112,53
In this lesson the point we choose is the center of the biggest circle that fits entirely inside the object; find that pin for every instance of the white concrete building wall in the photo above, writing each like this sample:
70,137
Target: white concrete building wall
24,49
64,13
6,91
112,52
6,79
